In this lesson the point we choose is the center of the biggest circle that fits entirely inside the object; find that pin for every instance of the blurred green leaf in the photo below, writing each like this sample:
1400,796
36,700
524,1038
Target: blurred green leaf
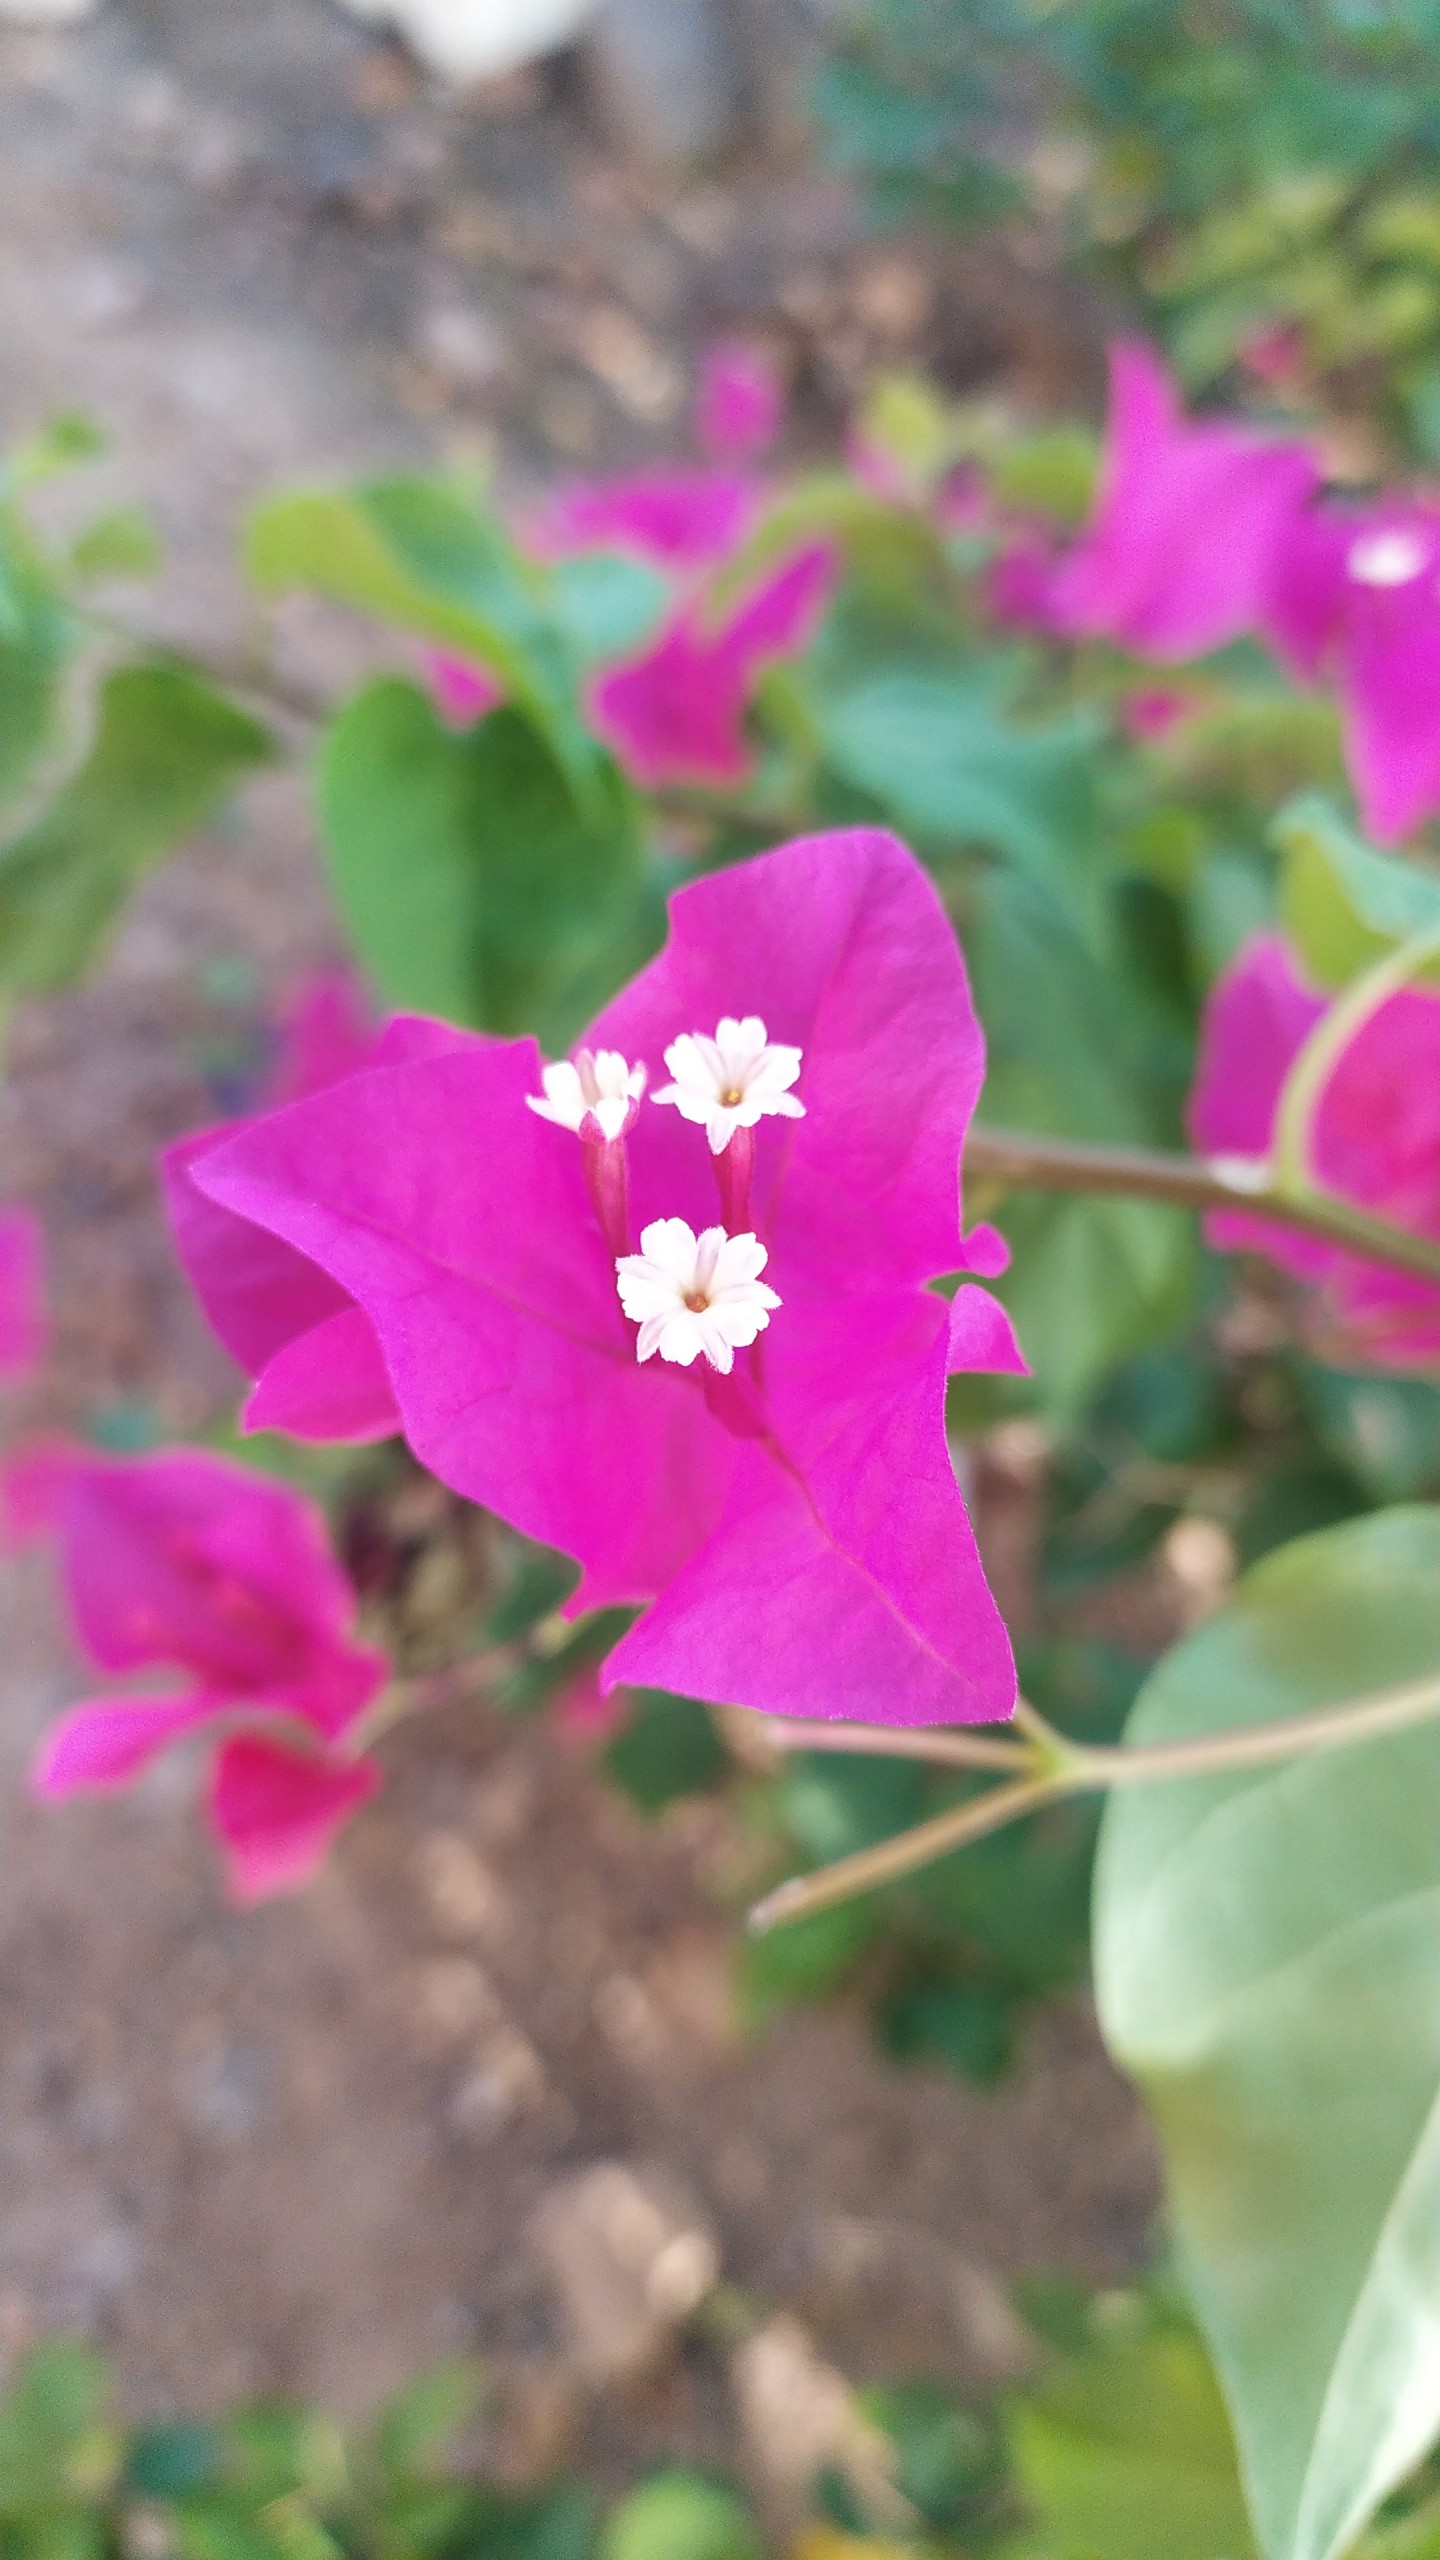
472,884
1343,905
1268,1969
416,556
1125,2453
939,756
56,2442
123,544
669,1748
608,604
1385,1431
680,2515
36,637
166,751
414,2429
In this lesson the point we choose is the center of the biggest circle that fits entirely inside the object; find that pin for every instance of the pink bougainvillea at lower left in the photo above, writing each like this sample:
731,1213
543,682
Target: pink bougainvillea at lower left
188,1564
666,1305
1375,1142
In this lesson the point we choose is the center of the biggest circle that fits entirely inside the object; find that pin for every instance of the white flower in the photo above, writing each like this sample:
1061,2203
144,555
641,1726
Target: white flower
1387,559
602,1085
732,1081
692,1293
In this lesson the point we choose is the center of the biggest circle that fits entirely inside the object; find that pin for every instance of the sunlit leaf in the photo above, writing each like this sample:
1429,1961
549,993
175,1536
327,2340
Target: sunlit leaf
1268,1968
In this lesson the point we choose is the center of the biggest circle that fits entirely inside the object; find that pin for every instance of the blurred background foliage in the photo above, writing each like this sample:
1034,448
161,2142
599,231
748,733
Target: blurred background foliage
1239,173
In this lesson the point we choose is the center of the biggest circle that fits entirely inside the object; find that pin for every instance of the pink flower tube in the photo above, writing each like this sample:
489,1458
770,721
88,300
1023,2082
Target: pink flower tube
188,1562
561,1269
1376,1142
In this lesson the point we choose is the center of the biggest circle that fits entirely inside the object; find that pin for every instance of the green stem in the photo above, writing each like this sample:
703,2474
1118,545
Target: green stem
1016,1161
1058,1769
1317,1060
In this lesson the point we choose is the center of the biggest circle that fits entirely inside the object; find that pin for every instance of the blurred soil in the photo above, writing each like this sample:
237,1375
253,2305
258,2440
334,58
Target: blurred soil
307,2148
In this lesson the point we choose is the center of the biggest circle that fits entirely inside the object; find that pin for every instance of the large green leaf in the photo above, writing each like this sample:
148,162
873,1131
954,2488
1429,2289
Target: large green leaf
473,884
1267,1948
166,750
415,555
1343,904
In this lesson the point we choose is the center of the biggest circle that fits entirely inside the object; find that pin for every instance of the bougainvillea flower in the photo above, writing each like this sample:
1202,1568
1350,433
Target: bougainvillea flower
1178,556
315,1359
185,1562
1375,1142
22,1292
677,713
326,1030
674,518
463,692
1151,712
1355,598
793,1530
741,405
1018,585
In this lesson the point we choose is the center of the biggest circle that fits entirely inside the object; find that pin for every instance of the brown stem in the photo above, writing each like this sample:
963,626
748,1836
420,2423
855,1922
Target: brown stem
1021,1162
908,1850
880,1741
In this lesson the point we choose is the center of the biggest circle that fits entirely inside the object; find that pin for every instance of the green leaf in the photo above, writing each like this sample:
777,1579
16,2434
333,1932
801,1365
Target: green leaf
413,2429
166,751
1125,2453
1267,1968
413,554
36,637
472,883
123,544
669,1748
1070,1056
609,605
935,750
55,2442
1344,905
680,2515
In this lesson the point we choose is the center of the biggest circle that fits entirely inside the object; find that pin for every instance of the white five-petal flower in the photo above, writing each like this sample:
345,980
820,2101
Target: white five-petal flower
691,1294
732,1081
1387,559
597,1084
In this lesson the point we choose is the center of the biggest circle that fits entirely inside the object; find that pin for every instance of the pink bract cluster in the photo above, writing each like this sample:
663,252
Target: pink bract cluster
674,711
1376,1142
1206,532
189,1564
760,1464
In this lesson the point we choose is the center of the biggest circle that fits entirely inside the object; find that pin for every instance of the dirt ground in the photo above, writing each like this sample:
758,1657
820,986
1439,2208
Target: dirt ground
316,2146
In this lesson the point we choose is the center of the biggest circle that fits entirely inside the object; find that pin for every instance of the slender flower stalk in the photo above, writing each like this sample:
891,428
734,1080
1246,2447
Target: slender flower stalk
1311,1071
1058,1768
1018,1161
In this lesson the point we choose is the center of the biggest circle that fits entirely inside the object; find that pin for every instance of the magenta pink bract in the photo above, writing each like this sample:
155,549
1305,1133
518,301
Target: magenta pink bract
1354,599
189,1563
23,1325
1376,1143
796,1531
741,406
1178,556
677,712
674,518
